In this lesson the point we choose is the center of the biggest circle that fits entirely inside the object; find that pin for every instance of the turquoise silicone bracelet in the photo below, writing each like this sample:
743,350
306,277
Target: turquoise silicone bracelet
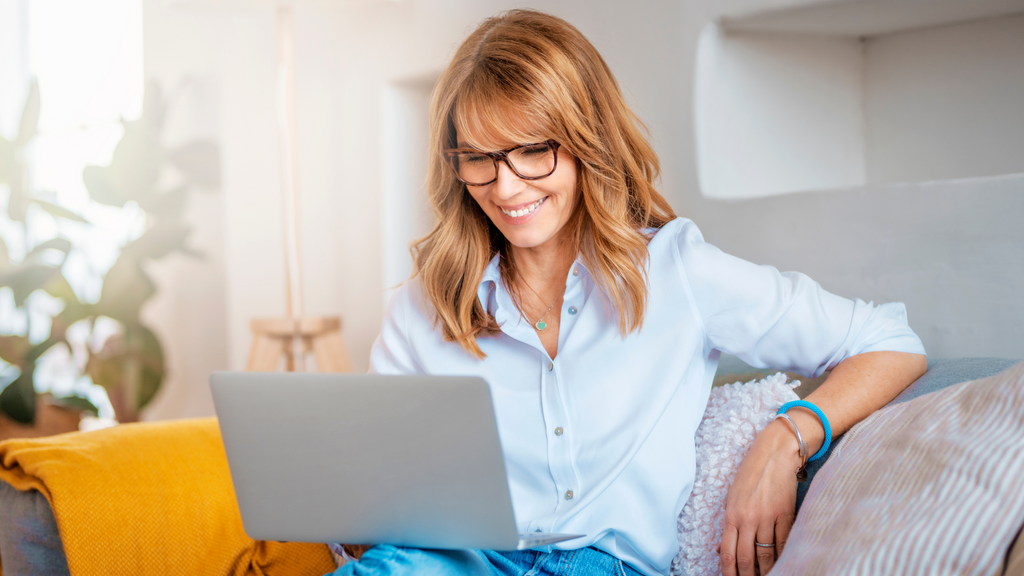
824,423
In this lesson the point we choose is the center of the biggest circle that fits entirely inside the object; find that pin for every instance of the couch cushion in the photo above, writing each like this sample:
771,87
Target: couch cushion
933,485
941,373
29,541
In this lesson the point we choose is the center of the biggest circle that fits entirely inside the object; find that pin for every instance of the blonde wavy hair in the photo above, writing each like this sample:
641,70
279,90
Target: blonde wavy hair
527,76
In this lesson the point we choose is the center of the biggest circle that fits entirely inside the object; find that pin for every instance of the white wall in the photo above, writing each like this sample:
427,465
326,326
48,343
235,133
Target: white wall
946,102
405,213
778,113
781,112
190,312
13,69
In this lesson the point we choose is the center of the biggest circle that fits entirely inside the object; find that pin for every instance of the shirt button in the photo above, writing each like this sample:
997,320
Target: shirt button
558,431
551,366
568,495
575,271
572,310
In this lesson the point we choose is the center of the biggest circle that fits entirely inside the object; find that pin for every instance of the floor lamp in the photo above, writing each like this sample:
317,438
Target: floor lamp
296,335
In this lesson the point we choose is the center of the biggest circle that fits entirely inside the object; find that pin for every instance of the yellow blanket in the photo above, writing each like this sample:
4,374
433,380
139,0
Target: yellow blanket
152,498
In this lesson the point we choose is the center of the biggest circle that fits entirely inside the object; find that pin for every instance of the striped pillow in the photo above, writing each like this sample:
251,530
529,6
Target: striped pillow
934,485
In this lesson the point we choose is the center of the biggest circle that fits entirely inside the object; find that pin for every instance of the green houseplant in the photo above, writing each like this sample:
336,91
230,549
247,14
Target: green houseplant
130,365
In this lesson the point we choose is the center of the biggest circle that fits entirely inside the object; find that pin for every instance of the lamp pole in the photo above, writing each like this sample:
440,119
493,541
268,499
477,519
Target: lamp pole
289,179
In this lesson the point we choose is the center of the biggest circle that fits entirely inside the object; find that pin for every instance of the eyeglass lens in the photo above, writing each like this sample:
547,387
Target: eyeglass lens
533,161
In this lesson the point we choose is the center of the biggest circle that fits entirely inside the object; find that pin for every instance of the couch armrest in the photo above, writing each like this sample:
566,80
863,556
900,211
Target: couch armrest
29,541
148,498
941,374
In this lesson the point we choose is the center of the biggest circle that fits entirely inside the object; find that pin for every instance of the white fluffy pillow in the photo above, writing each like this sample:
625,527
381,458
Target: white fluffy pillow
736,413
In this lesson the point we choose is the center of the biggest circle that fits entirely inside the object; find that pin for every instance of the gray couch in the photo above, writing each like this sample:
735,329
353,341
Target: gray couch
30,543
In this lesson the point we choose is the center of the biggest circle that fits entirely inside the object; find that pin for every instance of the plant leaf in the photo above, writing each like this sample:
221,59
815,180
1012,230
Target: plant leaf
38,350
108,367
25,279
151,356
104,369
59,287
58,244
17,201
29,125
133,170
35,273
199,160
6,159
169,206
5,258
18,399
157,242
59,211
13,349
74,310
126,287
101,189
77,403
135,164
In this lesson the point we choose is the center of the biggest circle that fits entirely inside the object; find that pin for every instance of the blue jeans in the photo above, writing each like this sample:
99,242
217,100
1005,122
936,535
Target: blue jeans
386,560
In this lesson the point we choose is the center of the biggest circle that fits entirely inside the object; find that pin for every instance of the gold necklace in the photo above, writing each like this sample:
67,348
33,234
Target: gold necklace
540,324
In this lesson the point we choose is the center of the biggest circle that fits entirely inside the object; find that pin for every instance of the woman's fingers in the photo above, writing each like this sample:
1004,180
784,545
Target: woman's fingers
762,494
746,557
765,554
782,527
727,550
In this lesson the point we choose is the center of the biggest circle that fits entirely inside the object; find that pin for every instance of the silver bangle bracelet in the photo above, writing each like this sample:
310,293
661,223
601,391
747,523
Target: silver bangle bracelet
799,437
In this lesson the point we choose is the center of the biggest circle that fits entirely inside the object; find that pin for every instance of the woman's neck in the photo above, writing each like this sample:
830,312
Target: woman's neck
544,268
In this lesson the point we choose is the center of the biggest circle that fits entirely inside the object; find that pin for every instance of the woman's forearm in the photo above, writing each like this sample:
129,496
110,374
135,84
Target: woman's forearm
855,388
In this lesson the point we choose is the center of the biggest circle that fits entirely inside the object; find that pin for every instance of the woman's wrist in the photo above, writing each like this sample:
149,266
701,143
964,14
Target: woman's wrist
811,429
784,442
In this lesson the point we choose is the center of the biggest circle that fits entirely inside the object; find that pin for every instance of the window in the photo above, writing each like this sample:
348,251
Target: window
87,59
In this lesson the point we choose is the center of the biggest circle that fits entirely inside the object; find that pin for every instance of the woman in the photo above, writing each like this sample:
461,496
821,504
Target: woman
559,274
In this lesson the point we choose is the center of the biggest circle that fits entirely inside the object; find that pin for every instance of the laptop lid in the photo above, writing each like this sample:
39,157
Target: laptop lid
366,459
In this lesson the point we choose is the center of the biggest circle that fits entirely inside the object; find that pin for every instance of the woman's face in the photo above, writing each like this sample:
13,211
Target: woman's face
547,202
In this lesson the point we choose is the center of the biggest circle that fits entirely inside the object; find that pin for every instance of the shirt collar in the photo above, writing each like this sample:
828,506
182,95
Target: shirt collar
491,273
496,300
582,268
492,278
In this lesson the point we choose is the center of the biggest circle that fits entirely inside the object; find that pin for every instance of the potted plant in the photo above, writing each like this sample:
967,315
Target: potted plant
130,364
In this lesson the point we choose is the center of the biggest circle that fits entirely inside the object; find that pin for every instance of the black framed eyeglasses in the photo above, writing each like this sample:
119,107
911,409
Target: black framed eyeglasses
528,161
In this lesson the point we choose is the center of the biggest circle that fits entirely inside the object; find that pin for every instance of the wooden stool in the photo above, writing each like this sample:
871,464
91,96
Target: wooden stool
275,337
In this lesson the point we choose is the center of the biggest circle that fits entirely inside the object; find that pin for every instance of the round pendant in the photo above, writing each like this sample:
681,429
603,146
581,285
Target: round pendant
541,325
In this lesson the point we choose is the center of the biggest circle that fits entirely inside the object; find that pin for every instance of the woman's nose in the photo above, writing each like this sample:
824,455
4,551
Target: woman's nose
508,184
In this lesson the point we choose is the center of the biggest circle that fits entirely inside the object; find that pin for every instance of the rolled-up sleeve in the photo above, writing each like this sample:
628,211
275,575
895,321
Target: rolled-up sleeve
784,320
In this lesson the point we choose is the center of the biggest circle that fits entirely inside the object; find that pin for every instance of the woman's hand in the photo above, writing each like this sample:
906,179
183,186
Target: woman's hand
761,504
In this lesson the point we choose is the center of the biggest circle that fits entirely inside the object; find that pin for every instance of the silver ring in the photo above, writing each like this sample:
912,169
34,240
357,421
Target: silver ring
772,545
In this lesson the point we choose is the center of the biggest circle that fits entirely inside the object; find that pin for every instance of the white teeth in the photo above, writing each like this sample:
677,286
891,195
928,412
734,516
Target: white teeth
524,211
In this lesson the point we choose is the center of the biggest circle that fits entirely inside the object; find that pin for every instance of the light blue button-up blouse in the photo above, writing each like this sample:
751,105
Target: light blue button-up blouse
600,439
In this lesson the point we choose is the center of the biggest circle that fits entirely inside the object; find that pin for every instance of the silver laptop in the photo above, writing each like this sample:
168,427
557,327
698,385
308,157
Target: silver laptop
366,459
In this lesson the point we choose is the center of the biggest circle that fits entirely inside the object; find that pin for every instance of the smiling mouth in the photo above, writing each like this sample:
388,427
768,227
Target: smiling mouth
523,211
